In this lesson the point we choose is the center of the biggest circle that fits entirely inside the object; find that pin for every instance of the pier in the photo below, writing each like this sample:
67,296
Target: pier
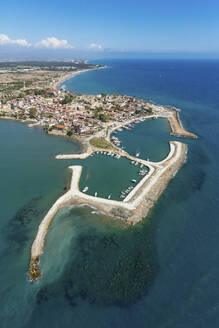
132,209
140,198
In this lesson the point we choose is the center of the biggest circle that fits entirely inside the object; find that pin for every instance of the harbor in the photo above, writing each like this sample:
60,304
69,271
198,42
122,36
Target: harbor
132,209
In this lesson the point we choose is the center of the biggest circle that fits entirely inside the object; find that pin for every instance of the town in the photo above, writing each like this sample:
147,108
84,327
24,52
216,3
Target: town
65,113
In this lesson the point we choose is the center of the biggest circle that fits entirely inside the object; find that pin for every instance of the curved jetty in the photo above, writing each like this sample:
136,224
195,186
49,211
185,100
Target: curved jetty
176,126
140,199
132,209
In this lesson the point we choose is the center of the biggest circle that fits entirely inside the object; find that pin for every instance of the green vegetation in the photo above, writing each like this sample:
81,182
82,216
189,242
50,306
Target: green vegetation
46,65
52,127
100,143
32,112
34,269
69,132
68,99
104,117
11,86
76,128
39,92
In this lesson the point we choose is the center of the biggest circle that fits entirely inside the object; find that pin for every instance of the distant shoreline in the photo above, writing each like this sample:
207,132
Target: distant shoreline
68,76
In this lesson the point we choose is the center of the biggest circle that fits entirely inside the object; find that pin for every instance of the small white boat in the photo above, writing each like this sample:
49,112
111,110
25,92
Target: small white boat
137,154
133,180
85,189
95,194
109,196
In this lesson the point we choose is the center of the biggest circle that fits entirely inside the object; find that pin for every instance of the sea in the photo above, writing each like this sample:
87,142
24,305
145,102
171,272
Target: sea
97,271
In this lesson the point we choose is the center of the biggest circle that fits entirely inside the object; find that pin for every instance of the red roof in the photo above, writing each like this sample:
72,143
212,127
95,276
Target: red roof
59,126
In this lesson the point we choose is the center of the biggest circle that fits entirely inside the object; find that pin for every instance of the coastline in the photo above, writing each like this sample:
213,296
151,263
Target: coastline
68,76
83,143
137,204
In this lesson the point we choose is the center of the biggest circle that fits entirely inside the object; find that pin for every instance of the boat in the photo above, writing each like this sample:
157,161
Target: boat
137,154
141,165
134,181
95,194
85,189
109,196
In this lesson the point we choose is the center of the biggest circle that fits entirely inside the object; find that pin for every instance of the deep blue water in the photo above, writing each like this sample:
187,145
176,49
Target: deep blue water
183,227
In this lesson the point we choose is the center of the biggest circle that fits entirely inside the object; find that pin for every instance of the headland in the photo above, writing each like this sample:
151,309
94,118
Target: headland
92,119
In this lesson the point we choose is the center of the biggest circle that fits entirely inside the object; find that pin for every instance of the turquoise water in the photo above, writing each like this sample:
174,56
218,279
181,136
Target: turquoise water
97,175
149,138
97,272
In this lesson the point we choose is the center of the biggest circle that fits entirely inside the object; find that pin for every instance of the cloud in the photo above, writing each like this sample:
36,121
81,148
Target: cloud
54,43
5,40
94,46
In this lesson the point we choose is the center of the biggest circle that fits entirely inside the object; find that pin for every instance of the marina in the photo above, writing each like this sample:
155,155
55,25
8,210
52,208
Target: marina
184,235
133,207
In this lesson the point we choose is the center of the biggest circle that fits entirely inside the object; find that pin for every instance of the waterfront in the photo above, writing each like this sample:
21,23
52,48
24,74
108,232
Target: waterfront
183,224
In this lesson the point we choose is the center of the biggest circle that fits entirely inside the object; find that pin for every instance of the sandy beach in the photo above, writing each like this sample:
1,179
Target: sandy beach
69,75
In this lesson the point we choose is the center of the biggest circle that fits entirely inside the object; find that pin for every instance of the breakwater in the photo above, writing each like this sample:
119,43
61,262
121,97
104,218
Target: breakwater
132,209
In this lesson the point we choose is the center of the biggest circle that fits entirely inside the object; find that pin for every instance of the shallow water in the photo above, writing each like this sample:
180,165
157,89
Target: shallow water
175,249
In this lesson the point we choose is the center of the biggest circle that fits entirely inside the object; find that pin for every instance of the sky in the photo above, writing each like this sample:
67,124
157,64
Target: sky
94,28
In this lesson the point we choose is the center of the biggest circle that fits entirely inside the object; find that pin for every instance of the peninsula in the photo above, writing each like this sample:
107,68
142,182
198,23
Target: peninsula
92,119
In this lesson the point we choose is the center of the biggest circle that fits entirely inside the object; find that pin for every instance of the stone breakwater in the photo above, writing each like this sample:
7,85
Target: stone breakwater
137,203
132,209
176,126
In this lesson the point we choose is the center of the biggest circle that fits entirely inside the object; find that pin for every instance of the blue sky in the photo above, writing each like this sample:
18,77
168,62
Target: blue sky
111,26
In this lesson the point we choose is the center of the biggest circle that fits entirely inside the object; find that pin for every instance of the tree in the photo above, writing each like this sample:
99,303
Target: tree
69,132
32,112
77,128
51,127
68,98
104,117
